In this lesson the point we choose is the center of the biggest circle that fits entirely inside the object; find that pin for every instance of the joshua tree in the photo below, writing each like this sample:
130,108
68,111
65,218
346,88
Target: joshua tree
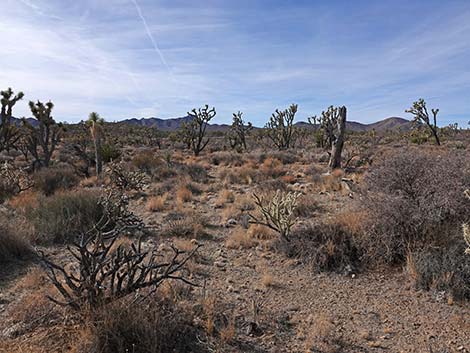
421,115
43,139
325,125
238,132
194,132
466,229
95,122
338,138
9,133
280,127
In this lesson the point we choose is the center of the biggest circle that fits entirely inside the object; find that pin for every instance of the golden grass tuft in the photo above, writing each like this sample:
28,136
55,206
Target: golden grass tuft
183,194
156,203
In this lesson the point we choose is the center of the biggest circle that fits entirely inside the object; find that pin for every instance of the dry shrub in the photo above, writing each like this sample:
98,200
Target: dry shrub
50,180
183,194
307,205
267,279
187,225
225,197
259,232
323,337
156,203
64,216
27,199
416,201
240,239
90,182
242,175
155,326
289,179
14,244
272,168
147,161
227,159
326,246
442,270
196,172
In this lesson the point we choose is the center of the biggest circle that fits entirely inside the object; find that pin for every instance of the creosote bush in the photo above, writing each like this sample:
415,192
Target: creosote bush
415,201
327,247
50,180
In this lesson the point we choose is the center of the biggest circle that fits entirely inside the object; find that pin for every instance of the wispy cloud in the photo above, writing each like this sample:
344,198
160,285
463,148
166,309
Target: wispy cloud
150,35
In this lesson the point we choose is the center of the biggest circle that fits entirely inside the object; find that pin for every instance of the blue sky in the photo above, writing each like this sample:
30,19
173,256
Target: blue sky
140,58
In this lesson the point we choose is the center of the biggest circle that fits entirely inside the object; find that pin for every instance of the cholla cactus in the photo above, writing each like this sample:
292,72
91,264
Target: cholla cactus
119,177
13,180
277,212
466,228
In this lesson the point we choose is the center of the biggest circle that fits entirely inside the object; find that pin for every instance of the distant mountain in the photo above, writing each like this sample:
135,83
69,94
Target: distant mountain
392,123
170,124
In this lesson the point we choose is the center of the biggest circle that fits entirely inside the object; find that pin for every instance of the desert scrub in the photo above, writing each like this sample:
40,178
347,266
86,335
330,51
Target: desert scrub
14,243
50,180
277,212
62,217
415,201
327,247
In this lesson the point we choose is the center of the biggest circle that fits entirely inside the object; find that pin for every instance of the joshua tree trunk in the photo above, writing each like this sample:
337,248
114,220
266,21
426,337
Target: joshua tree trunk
337,146
97,143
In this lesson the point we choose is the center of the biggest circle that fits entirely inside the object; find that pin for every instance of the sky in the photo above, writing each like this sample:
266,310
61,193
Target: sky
161,58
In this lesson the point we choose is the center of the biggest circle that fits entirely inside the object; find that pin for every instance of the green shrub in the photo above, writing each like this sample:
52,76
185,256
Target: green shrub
109,152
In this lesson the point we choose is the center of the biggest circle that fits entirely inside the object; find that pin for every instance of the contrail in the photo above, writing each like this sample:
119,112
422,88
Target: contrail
150,36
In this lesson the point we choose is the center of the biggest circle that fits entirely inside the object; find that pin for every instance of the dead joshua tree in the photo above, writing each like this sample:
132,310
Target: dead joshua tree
9,133
103,274
421,115
238,132
338,139
280,127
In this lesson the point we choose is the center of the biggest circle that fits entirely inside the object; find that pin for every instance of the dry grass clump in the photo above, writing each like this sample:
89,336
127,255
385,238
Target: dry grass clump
184,194
64,216
225,197
240,238
155,326
323,336
267,280
244,175
227,159
272,168
156,203
24,200
185,224
14,244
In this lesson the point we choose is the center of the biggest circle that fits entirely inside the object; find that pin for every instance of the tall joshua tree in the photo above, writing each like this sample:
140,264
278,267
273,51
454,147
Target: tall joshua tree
9,133
280,127
95,122
421,115
195,131
42,139
238,132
